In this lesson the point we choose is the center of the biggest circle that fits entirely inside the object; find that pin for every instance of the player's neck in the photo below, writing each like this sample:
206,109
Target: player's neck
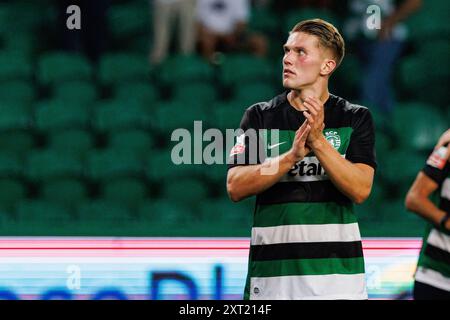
297,97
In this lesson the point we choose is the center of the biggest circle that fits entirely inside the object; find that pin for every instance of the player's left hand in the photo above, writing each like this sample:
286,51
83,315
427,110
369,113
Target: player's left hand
315,116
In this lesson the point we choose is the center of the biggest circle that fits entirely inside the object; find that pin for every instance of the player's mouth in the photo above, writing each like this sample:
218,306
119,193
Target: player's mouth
288,72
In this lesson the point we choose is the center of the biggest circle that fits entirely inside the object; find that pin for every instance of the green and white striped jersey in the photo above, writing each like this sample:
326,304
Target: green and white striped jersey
434,262
305,241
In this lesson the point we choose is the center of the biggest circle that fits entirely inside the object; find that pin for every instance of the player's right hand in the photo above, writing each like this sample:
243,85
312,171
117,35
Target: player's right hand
299,147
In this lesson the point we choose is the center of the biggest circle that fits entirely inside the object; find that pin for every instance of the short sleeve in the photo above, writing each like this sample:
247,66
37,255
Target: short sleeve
247,143
362,141
435,170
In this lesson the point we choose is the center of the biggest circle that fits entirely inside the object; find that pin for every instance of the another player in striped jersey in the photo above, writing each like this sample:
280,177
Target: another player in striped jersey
432,277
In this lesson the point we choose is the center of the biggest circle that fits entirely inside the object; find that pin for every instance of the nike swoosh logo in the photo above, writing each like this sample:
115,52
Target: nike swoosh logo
275,145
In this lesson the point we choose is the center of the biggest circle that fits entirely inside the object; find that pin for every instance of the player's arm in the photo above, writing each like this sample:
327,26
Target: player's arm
418,201
352,179
245,181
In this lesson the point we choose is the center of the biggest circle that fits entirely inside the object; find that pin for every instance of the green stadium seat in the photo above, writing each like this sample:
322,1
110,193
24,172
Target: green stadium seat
65,191
121,114
72,141
141,91
177,114
37,213
160,167
12,191
225,212
80,91
130,192
17,91
400,167
196,94
110,164
165,213
423,73
57,67
295,16
251,93
227,115
120,68
417,126
238,69
265,21
52,115
15,125
14,66
103,213
129,20
430,22
10,165
185,69
137,141
44,165
185,191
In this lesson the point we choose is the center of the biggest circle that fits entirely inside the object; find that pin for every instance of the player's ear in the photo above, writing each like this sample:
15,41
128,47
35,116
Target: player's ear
328,67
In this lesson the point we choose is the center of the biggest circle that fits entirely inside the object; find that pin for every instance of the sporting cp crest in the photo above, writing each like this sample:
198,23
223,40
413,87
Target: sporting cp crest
333,138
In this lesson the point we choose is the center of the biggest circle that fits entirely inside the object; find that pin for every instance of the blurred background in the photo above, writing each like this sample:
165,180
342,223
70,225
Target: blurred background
86,115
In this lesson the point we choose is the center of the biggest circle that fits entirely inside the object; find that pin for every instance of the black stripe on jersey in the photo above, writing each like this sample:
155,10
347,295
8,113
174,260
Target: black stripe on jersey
310,250
437,254
315,191
444,205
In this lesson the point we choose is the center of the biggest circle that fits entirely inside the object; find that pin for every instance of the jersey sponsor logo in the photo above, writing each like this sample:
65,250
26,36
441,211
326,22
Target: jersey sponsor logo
333,138
309,169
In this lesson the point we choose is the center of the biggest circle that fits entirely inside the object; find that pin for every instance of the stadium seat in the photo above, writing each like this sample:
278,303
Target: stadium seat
18,91
109,164
44,165
128,20
265,21
12,191
52,115
72,141
165,213
123,67
417,126
238,69
160,167
80,91
103,213
57,67
177,114
225,212
67,192
430,21
182,69
116,115
400,167
130,192
251,93
196,94
295,16
14,66
142,91
15,125
186,191
137,141
35,213
227,115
